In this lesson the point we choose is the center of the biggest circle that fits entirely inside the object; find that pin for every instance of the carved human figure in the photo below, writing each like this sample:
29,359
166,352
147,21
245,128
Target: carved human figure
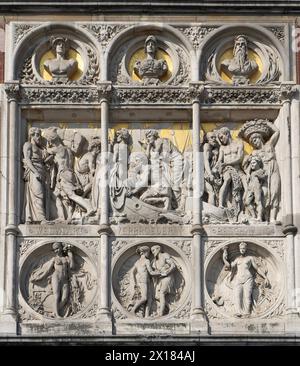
138,175
229,166
119,170
150,70
141,278
243,279
60,67
64,182
59,269
85,167
255,192
166,164
164,283
263,136
34,177
212,178
240,67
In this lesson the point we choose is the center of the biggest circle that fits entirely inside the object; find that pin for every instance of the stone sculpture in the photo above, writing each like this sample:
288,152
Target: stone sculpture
211,175
242,279
229,166
60,285
60,68
240,67
64,182
263,137
34,177
152,284
150,70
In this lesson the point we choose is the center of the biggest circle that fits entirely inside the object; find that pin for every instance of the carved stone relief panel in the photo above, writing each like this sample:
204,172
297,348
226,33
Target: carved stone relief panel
150,60
150,281
57,280
242,60
242,178
61,60
150,176
60,174
243,279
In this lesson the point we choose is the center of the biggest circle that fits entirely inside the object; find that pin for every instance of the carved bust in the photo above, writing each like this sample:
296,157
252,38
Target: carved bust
60,67
240,67
150,70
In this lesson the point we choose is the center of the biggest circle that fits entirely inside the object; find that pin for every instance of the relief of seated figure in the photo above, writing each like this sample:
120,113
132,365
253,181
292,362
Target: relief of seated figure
60,67
150,70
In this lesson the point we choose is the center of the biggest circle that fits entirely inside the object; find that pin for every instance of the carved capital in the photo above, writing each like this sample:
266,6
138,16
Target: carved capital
196,91
289,230
104,229
11,230
104,90
12,90
287,92
197,230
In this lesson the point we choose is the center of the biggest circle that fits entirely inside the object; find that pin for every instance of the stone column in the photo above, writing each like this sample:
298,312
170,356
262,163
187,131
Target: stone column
198,314
295,157
104,313
287,200
11,229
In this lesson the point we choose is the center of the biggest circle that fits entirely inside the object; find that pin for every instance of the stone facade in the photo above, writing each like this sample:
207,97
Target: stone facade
150,179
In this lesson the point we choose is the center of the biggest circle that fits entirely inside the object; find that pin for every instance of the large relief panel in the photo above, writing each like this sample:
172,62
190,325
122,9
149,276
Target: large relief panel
151,173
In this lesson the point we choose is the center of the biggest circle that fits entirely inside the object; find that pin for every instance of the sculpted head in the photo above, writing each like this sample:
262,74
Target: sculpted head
143,250
35,134
151,135
212,138
240,46
122,135
155,250
57,247
256,140
256,162
224,135
243,247
59,45
150,46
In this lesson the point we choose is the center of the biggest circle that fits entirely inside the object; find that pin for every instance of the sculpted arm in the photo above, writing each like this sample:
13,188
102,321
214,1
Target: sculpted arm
44,272
206,159
275,136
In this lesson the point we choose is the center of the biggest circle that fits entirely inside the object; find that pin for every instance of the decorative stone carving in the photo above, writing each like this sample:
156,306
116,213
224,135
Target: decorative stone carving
149,281
243,280
21,30
156,96
63,95
278,32
196,34
150,70
59,283
161,164
240,67
264,179
245,96
60,68
104,32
